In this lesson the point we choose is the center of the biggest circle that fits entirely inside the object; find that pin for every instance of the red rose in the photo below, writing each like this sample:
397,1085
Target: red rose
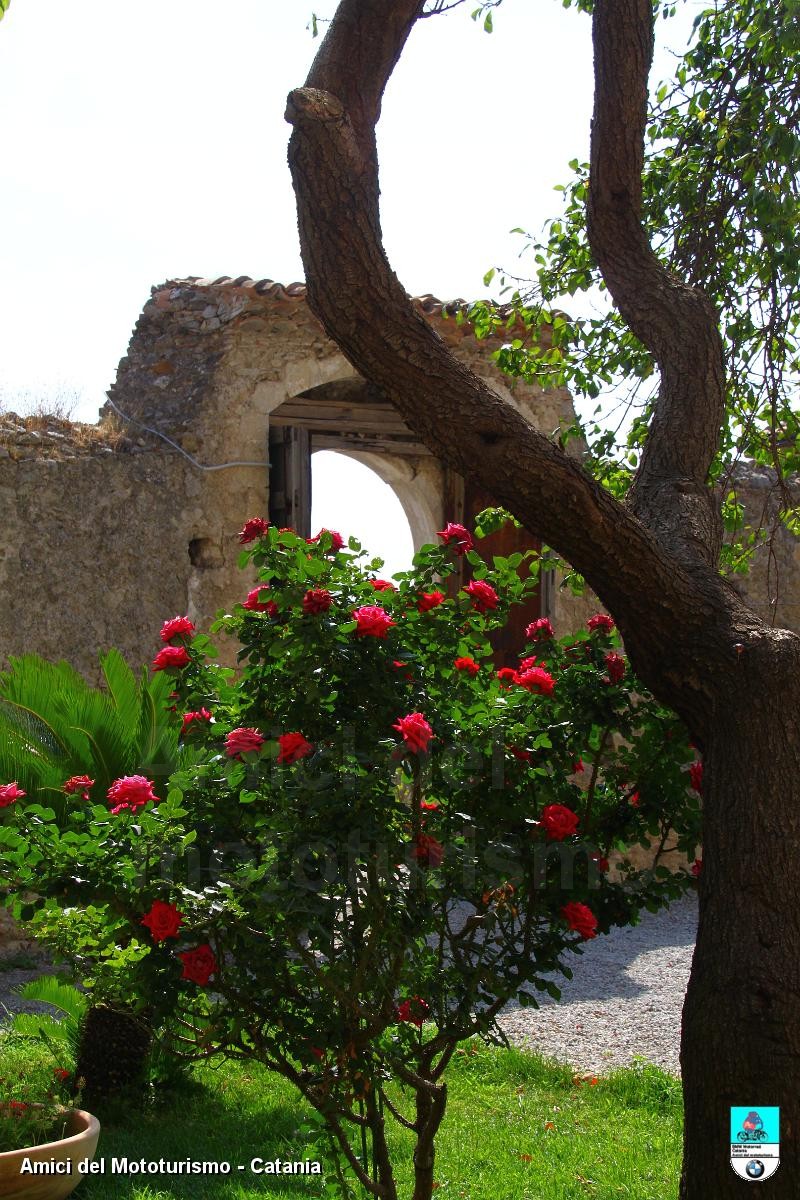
293,747
243,741
416,732
457,537
131,792
578,767
429,805
540,629
337,541
79,783
414,1011
428,851
600,621
382,585
507,676
537,680
316,601
525,664
697,867
696,775
61,1074
373,621
177,627
615,665
558,822
580,918
467,664
482,595
171,657
634,800
9,793
521,755
254,603
429,600
601,862
256,527
199,964
163,920
189,718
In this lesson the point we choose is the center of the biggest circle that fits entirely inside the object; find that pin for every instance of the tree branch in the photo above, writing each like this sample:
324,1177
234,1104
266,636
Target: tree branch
647,561
363,307
677,323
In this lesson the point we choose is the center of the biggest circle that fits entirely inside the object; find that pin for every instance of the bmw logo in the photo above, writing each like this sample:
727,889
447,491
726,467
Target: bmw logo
755,1168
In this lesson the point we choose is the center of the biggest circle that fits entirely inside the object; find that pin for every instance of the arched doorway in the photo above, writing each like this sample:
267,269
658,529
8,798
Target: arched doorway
353,419
349,495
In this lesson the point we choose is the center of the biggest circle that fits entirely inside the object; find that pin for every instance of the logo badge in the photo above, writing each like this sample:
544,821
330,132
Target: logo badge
755,1142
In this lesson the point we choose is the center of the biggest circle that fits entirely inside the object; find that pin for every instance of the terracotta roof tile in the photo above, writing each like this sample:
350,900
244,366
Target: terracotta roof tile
428,304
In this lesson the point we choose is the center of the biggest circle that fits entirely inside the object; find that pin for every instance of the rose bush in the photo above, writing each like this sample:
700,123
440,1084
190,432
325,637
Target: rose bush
377,836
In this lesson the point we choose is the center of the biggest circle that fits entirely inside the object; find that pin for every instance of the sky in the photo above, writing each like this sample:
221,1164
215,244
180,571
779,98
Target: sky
146,141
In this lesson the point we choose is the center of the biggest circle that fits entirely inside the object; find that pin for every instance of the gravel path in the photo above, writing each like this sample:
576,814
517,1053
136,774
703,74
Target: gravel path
625,999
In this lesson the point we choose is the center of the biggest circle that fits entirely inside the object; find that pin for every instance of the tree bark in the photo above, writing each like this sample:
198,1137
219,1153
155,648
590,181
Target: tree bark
741,1029
653,561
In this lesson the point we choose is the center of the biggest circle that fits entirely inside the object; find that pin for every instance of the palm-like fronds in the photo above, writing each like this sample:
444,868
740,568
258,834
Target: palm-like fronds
70,1002
54,725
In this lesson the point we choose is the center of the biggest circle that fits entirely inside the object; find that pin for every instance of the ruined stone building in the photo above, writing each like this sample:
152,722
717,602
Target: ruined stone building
226,390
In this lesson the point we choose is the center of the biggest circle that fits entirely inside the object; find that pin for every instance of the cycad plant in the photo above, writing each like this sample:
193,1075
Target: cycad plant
55,727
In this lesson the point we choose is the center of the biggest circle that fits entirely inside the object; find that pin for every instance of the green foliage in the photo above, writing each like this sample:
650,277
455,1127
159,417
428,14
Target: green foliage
721,207
53,726
56,1032
3,8
35,1088
342,901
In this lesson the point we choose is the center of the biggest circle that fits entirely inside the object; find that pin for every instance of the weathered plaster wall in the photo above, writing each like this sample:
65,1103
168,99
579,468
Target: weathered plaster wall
102,540
92,551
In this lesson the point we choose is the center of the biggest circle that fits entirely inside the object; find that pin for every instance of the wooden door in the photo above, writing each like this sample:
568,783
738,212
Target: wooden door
464,500
290,478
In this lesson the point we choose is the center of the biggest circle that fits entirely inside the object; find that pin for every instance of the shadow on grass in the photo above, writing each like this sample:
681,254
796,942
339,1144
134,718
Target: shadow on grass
220,1118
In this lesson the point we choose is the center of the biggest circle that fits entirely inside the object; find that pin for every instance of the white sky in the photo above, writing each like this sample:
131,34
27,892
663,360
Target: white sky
146,141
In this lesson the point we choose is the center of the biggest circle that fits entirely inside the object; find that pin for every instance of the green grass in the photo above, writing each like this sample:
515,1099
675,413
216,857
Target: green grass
517,1128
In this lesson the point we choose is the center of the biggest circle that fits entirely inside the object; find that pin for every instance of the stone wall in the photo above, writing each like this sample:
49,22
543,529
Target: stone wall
772,584
94,544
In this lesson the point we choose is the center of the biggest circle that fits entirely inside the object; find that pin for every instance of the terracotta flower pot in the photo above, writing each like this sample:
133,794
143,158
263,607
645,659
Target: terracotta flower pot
80,1142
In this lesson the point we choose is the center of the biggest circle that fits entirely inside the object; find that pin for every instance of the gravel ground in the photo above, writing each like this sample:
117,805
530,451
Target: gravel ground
625,999
13,977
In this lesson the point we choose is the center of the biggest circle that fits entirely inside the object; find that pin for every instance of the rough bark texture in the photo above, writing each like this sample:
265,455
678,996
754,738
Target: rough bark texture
653,561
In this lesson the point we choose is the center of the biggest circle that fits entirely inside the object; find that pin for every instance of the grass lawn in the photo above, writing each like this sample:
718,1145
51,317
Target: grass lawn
516,1128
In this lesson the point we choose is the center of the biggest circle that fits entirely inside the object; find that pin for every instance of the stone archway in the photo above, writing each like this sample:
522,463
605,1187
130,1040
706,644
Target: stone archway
349,416
352,417
238,377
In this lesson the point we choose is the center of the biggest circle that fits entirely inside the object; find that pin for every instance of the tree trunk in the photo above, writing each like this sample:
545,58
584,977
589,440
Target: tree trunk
430,1113
741,1021
112,1057
653,560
